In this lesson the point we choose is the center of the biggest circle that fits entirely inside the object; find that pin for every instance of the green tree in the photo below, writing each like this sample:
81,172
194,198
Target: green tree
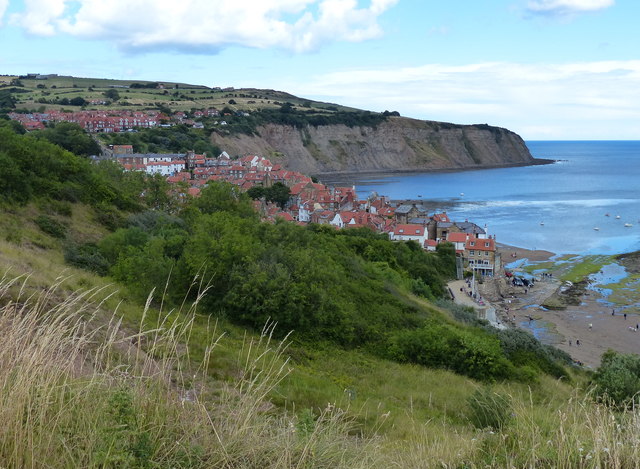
72,137
221,196
13,184
112,94
256,192
156,193
278,193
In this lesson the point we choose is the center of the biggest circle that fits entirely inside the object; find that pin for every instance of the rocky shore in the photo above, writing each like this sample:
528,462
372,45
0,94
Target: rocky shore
593,322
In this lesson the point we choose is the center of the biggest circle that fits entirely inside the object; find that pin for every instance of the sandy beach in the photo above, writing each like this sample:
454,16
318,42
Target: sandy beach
591,323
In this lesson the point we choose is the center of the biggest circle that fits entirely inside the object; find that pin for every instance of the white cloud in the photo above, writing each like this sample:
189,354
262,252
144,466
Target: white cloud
578,100
566,7
3,7
38,15
207,25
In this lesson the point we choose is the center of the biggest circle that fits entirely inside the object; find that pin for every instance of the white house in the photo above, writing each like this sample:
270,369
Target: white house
409,233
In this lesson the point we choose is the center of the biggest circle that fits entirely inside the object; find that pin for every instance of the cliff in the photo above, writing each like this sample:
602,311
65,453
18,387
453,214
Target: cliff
398,144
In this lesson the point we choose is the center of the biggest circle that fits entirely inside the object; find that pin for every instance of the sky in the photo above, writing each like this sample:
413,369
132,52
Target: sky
546,69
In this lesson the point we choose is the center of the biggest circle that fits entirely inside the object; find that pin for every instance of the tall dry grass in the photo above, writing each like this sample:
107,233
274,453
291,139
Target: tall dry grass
78,390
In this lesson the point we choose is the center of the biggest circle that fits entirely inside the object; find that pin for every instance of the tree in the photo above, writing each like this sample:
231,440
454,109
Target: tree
221,196
77,101
278,193
72,137
156,194
256,192
112,94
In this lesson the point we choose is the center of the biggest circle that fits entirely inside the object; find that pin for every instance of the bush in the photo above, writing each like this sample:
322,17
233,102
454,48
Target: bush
60,207
618,378
85,256
109,216
469,352
51,227
464,314
522,349
488,409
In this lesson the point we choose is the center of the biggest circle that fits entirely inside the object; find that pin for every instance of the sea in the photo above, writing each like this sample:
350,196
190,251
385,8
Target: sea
586,202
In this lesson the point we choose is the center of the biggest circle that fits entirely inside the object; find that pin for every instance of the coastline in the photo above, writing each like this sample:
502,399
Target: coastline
387,171
591,322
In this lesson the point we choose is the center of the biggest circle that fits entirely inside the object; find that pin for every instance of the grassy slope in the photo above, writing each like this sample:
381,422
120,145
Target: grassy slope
420,415
183,98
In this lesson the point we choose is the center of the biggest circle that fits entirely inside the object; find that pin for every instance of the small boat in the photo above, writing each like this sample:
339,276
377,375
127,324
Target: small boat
541,223
596,228
461,194
617,217
606,215
628,225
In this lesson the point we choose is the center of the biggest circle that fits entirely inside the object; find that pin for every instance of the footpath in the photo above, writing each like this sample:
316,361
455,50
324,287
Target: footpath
466,294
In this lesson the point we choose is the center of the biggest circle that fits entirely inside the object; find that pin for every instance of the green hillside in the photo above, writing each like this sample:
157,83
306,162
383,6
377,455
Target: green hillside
32,93
262,345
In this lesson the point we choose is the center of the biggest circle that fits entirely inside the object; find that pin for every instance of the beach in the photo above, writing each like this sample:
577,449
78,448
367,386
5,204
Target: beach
591,323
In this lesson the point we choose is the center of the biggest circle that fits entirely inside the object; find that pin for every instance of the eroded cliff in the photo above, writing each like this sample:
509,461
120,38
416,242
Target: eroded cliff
396,144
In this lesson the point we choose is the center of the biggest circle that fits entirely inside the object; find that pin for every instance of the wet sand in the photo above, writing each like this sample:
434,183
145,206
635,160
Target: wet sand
569,325
507,252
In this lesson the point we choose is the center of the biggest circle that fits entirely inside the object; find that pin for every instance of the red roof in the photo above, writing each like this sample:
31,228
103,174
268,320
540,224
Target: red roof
482,244
457,237
409,230
285,216
441,217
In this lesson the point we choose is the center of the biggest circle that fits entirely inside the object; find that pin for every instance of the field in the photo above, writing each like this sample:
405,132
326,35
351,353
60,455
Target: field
176,96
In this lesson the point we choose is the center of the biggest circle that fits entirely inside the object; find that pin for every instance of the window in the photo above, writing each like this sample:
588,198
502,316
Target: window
486,253
486,245
472,253
473,243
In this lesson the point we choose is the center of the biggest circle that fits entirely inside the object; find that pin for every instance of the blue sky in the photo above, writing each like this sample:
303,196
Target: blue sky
546,69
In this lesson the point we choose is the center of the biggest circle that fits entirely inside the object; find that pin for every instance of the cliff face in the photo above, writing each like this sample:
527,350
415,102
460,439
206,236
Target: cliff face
397,144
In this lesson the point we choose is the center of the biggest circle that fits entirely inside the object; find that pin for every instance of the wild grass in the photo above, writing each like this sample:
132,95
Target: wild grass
79,392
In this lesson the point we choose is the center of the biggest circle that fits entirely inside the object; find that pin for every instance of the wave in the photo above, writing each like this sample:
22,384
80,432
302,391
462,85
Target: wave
587,203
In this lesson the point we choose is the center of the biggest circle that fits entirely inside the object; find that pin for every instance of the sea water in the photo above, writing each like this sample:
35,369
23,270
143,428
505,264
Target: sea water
561,207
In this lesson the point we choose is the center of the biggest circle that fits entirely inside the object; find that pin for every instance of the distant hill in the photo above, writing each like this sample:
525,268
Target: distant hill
302,134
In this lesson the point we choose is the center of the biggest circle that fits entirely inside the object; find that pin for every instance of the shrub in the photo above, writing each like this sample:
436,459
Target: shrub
51,227
488,409
468,352
464,314
85,256
618,377
522,349
108,216
60,207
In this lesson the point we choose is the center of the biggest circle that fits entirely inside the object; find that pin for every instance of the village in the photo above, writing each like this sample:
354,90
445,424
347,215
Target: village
113,121
314,202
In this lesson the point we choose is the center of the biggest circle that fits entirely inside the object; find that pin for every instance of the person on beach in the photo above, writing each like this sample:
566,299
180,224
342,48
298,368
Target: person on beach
625,316
577,342
590,326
